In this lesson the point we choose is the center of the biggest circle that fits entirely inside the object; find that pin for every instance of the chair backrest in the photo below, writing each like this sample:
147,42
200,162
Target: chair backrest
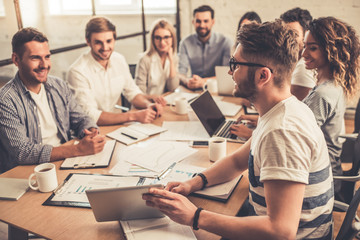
347,231
357,118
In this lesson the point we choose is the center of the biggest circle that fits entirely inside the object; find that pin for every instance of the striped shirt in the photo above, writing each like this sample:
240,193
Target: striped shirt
21,139
288,145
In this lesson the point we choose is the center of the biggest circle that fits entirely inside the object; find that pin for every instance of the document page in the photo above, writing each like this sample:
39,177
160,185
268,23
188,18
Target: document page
184,131
74,189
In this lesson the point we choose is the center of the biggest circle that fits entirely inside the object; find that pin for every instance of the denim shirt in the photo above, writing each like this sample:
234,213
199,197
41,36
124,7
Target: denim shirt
20,132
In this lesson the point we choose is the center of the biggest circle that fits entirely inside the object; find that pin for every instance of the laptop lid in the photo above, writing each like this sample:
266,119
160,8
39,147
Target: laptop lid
225,82
125,203
208,112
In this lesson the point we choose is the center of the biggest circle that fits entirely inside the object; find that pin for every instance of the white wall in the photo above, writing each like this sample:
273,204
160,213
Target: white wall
67,30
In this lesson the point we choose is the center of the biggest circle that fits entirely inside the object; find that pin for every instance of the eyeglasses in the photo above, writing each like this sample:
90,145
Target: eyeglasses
233,64
159,38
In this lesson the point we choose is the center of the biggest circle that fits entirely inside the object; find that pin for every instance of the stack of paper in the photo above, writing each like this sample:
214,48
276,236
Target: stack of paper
13,188
184,131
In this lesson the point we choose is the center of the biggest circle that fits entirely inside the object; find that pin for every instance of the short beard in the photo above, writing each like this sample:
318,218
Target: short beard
249,90
203,34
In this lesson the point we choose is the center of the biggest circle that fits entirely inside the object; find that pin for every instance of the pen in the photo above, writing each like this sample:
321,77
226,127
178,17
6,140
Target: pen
122,108
167,171
135,138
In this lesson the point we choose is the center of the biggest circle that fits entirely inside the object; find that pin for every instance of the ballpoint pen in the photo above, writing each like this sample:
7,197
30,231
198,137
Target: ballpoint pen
135,138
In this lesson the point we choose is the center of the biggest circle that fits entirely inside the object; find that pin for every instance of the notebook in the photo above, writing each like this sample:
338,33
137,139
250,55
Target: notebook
13,188
98,160
124,203
225,82
212,119
135,132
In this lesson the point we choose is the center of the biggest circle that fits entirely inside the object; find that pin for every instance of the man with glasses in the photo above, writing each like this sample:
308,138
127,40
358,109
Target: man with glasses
199,53
99,77
291,191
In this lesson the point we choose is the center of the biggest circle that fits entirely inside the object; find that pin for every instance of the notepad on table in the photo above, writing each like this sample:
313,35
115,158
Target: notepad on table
13,188
135,132
101,159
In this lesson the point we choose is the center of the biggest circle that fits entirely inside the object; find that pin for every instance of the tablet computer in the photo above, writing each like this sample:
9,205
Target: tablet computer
125,203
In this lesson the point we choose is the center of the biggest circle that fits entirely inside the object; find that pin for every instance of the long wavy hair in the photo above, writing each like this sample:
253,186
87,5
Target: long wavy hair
341,45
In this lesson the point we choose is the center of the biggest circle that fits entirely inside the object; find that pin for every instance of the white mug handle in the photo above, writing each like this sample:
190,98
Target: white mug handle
30,185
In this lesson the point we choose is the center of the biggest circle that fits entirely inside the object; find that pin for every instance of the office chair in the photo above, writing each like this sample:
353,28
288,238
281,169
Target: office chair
350,227
350,177
124,102
357,118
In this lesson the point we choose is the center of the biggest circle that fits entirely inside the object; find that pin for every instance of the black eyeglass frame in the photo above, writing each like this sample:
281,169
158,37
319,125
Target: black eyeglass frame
233,63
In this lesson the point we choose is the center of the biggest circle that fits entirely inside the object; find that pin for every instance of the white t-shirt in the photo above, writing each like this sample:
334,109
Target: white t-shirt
98,89
49,131
288,145
303,77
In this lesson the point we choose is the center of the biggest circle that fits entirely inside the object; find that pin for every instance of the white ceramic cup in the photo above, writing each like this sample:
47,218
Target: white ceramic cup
45,177
217,148
181,106
211,85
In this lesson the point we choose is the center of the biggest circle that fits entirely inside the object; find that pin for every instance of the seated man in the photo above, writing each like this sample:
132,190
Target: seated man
99,77
38,112
291,191
202,51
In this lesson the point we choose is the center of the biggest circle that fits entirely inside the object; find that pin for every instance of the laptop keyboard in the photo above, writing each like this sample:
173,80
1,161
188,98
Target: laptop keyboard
225,131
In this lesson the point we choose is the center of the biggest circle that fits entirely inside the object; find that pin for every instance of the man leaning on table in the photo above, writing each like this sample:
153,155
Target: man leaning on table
291,191
37,111
99,77
202,51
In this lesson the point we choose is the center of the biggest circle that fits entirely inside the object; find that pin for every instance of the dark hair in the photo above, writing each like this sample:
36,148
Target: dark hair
204,8
252,16
97,25
302,16
272,44
23,36
342,49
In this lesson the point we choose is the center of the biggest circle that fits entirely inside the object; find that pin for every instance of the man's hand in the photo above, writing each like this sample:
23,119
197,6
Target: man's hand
92,143
183,188
195,82
174,205
149,114
241,130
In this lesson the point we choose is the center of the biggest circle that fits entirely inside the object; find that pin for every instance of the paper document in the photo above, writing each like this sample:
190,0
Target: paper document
13,188
101,159
156,229
156,156
228,109
170,99
184,131
135,132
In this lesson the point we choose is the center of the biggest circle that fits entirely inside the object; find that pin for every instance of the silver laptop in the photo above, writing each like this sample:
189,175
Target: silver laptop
212,118
225,82
125,203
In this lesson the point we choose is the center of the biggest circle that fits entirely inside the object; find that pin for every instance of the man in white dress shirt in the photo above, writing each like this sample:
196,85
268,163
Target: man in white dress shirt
99,77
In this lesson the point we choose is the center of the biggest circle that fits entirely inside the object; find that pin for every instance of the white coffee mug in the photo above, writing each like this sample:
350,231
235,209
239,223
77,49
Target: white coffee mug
217,148
181,106
211,85
45,177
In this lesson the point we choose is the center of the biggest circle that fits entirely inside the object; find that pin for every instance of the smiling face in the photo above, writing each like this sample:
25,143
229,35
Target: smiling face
102,45
163,40
244,78
203,23
34,65
313,54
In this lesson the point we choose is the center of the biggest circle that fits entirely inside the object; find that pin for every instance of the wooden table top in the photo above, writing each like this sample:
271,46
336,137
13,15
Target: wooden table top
51,222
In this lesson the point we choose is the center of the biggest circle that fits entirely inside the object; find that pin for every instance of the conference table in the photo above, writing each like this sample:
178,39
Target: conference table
28,215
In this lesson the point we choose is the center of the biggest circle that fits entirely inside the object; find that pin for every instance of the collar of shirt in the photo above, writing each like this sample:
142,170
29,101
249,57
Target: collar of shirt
97,66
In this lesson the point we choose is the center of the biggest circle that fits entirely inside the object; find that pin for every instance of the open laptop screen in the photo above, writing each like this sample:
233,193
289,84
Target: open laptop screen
208,112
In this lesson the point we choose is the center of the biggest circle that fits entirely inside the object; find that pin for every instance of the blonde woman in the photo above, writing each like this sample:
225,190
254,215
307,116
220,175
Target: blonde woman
156,71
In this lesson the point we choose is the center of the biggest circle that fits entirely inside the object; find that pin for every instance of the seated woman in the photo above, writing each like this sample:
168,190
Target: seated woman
156,71
332,48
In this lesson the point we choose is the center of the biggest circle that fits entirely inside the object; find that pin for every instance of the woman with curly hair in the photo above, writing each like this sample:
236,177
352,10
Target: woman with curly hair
332,49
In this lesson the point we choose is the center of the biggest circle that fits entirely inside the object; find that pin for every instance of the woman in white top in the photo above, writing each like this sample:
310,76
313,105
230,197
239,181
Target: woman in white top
156,71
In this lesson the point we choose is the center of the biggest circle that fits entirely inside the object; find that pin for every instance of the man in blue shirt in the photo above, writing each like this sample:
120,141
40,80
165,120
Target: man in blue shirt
202,51
38,113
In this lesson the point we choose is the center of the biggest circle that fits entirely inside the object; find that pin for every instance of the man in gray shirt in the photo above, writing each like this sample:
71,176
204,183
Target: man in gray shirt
202,51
